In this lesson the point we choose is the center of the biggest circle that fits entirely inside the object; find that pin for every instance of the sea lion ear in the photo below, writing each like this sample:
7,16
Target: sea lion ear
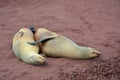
19,34
42,40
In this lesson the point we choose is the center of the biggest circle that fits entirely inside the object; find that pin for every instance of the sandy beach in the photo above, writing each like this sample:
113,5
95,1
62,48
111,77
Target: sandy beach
93,23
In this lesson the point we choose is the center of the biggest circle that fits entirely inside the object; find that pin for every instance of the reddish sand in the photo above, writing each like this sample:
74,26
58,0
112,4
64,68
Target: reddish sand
94,23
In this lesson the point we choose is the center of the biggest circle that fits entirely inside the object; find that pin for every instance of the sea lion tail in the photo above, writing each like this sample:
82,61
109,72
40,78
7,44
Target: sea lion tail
41,40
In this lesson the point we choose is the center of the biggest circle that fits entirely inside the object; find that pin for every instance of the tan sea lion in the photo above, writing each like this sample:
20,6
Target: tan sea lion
24,51
56,45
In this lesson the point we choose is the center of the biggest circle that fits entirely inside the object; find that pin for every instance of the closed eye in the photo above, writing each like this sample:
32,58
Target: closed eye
20,34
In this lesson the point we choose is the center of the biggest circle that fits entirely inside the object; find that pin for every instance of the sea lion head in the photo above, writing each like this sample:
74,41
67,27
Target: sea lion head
37,59
23,32
43,33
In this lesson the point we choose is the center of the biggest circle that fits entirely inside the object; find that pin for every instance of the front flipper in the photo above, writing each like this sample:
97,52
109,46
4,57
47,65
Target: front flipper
42,40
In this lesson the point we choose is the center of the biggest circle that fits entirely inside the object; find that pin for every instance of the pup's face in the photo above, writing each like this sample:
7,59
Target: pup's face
23,32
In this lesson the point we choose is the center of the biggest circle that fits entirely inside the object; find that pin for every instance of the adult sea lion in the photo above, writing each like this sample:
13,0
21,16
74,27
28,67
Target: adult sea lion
24,51
56,45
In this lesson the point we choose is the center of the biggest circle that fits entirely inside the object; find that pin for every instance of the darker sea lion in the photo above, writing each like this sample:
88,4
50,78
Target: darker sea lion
56,45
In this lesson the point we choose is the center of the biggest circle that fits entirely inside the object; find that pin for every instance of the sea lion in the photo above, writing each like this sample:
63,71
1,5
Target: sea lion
24,51
56,45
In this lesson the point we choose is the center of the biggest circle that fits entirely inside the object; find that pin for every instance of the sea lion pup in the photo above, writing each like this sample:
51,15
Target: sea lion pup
24,51
56,45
